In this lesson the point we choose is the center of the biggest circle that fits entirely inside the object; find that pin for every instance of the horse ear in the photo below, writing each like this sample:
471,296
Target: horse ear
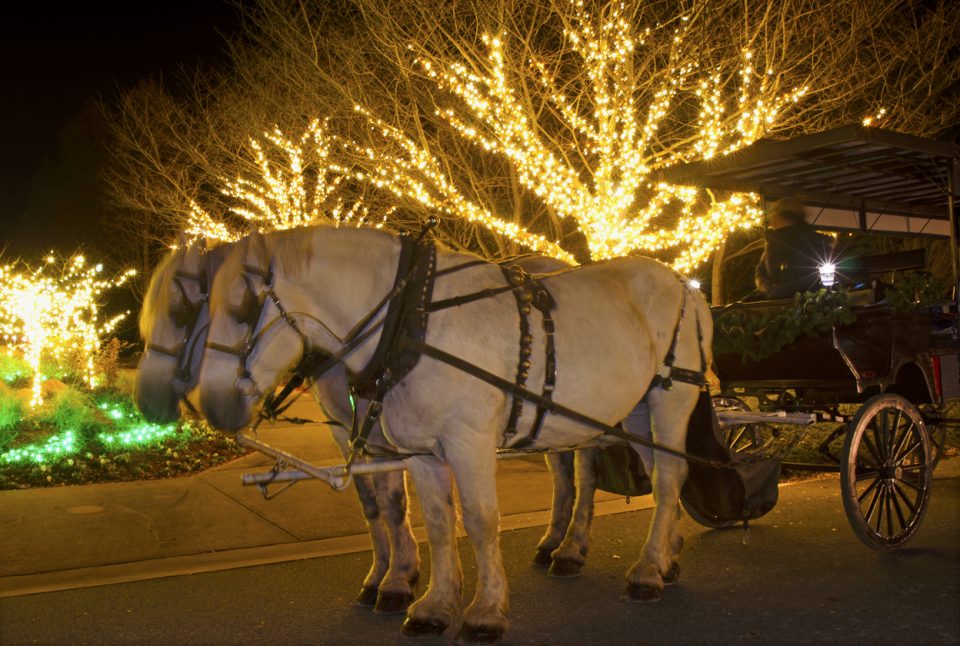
257,253
182,240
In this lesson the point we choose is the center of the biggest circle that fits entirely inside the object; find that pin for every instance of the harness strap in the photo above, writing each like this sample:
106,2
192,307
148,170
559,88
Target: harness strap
548,404
681,374
529,291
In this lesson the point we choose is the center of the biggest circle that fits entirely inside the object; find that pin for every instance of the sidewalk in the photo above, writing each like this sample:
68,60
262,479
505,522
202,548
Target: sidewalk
81,536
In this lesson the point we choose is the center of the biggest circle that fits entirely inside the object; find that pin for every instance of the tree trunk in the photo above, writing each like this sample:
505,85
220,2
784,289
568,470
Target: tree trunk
716,278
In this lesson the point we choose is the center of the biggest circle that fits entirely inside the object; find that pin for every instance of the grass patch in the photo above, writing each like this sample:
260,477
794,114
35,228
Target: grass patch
81,437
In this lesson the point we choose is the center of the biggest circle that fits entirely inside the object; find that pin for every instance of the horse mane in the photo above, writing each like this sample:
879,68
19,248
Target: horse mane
157,298
293,249
156,301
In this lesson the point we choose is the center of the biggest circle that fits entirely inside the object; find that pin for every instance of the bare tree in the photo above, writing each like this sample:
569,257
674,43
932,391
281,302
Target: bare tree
540,125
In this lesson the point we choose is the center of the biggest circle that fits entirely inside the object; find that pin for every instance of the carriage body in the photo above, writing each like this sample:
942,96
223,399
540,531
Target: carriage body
913,354
883,381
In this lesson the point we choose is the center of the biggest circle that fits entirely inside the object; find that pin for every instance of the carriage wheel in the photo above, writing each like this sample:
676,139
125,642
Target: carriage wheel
744,438
885,484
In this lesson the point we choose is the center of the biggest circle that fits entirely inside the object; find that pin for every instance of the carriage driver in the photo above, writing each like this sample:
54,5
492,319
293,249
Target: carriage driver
792,253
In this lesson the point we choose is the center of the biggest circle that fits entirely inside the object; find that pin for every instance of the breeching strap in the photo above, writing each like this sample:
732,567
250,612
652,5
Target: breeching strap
548,404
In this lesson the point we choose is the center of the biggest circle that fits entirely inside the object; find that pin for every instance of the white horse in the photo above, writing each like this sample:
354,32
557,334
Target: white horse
174,322
619,324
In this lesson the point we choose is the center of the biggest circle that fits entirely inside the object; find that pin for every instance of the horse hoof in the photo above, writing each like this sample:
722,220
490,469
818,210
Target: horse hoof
422,627
565,569
672,575
392,603
479,634
367,597
542,558
636,593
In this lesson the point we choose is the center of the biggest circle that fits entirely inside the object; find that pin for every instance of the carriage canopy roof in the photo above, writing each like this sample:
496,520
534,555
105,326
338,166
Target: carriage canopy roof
853,177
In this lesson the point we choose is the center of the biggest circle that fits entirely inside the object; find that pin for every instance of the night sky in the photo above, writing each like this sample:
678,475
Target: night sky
57,60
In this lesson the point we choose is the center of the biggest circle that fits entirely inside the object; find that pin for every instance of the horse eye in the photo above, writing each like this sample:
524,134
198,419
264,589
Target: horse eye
249,309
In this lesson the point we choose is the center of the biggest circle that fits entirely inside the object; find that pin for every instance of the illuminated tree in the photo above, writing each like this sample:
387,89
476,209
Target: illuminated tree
51,313
540,125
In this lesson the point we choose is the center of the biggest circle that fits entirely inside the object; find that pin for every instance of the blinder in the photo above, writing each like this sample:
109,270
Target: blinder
184,316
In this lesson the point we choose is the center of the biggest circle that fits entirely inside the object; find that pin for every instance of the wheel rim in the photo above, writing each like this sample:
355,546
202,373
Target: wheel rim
886,483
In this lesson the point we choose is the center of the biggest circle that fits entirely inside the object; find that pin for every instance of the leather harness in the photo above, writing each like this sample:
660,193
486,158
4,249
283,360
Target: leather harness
403,342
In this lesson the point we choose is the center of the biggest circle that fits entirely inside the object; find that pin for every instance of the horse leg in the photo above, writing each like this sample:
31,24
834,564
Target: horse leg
638,423
570,556
379,538
396,589
432,613
561,469
474,465
379,533
670,412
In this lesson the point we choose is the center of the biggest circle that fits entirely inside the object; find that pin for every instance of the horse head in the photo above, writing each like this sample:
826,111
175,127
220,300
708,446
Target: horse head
245,354
281,295
173,323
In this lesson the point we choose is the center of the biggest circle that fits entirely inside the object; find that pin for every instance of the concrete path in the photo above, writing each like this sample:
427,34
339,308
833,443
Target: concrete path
80,536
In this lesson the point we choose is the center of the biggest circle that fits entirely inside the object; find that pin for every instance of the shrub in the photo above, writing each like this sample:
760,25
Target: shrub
14,371
107,362
11,412
68,409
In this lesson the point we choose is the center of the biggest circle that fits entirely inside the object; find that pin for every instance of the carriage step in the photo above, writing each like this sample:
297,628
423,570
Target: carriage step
736,417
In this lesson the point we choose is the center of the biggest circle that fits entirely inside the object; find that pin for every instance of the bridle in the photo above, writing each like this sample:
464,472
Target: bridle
186,316
251,315
313,362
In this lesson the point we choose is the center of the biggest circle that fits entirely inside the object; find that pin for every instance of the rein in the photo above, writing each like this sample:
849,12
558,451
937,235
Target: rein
187,317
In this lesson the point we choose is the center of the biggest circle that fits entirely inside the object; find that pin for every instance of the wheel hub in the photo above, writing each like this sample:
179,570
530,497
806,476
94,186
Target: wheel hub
891,473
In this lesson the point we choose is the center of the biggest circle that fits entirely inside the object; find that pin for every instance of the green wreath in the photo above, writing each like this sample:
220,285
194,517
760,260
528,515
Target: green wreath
755,335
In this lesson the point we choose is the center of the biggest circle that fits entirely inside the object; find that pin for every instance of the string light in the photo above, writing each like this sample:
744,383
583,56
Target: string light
295,184
622,140
593,167
54,315
872,119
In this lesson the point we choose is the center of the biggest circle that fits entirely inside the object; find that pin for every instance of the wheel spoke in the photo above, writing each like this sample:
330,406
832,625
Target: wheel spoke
894,437
909,503
881,430
889,504
866,492
899,459
866,474
881,500
912,485
908,432
877,460
897,434
873,504
735,437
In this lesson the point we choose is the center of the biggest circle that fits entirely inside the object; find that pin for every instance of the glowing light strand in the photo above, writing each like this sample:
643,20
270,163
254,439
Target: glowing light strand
55,316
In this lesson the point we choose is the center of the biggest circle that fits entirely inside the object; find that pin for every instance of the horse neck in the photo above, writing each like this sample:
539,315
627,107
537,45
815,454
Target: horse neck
345,276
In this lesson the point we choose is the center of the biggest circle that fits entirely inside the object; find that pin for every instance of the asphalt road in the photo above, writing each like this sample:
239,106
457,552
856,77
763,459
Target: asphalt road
803,578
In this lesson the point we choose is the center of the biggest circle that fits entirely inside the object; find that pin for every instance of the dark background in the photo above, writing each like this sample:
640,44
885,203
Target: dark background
57,61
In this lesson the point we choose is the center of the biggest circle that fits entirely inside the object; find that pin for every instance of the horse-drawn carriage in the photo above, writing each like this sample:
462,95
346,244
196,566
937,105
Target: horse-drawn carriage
884,379
632,343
